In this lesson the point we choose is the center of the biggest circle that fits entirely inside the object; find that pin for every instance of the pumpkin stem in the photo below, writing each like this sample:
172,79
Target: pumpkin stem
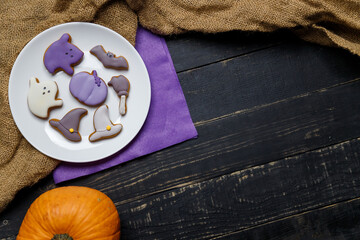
64,236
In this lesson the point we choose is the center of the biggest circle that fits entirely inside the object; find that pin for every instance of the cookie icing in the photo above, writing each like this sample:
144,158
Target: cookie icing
62,55
41,97
121,85
88,88
109,59
68,126
104,128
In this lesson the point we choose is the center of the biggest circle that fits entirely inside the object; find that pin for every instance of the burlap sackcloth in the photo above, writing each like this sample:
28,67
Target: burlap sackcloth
328,22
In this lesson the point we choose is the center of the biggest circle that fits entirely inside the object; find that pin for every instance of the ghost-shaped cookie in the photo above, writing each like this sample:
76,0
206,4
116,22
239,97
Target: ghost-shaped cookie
42,97
62,55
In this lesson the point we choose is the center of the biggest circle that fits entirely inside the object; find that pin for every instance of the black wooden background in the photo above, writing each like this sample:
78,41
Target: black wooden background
277,155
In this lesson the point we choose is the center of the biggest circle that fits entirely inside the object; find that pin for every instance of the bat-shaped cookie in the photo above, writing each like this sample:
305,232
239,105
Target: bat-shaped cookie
108,59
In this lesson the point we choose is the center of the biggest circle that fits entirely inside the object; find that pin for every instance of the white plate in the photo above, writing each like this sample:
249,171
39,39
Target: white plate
39,133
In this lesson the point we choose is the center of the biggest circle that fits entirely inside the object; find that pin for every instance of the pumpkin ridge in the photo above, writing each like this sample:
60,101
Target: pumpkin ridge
92,90
82,193
79,228
87,228
38,212
90,235
29,231
51,223
35,219
71,227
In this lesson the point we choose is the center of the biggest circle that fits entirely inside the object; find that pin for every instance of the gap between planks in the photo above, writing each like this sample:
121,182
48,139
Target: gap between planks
247,168
200,123
155,204
224,60
248,110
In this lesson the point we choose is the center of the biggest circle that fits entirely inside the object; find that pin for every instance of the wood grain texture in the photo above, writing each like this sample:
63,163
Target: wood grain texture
339,221
264,77
248,197
193,50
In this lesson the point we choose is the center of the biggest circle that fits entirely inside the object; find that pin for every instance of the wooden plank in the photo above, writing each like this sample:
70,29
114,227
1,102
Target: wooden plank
262,135
193,50
337,222
9,238
264,77
248,197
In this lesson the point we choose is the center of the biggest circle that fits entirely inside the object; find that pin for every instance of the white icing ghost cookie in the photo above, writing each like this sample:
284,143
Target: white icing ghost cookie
42,97
104,128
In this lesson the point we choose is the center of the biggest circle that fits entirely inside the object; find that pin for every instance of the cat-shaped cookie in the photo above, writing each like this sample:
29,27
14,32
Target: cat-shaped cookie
42,97
62,55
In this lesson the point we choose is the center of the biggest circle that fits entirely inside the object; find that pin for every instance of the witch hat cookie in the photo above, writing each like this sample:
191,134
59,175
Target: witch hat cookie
69,124
104,128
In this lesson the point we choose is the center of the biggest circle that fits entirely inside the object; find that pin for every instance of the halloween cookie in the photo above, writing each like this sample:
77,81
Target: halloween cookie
62,55
108,59
68,126
104,128
88,88
121,85
42,97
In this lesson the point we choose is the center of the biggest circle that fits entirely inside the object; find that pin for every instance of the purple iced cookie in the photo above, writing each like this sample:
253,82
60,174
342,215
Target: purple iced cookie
109,59
88,88
62,55
68,126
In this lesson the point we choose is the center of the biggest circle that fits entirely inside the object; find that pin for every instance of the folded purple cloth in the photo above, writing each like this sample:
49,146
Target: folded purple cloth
168,121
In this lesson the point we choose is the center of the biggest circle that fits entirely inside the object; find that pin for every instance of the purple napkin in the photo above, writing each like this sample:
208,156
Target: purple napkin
168,121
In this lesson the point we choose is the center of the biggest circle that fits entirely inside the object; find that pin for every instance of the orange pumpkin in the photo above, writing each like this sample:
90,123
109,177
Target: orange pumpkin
71,213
